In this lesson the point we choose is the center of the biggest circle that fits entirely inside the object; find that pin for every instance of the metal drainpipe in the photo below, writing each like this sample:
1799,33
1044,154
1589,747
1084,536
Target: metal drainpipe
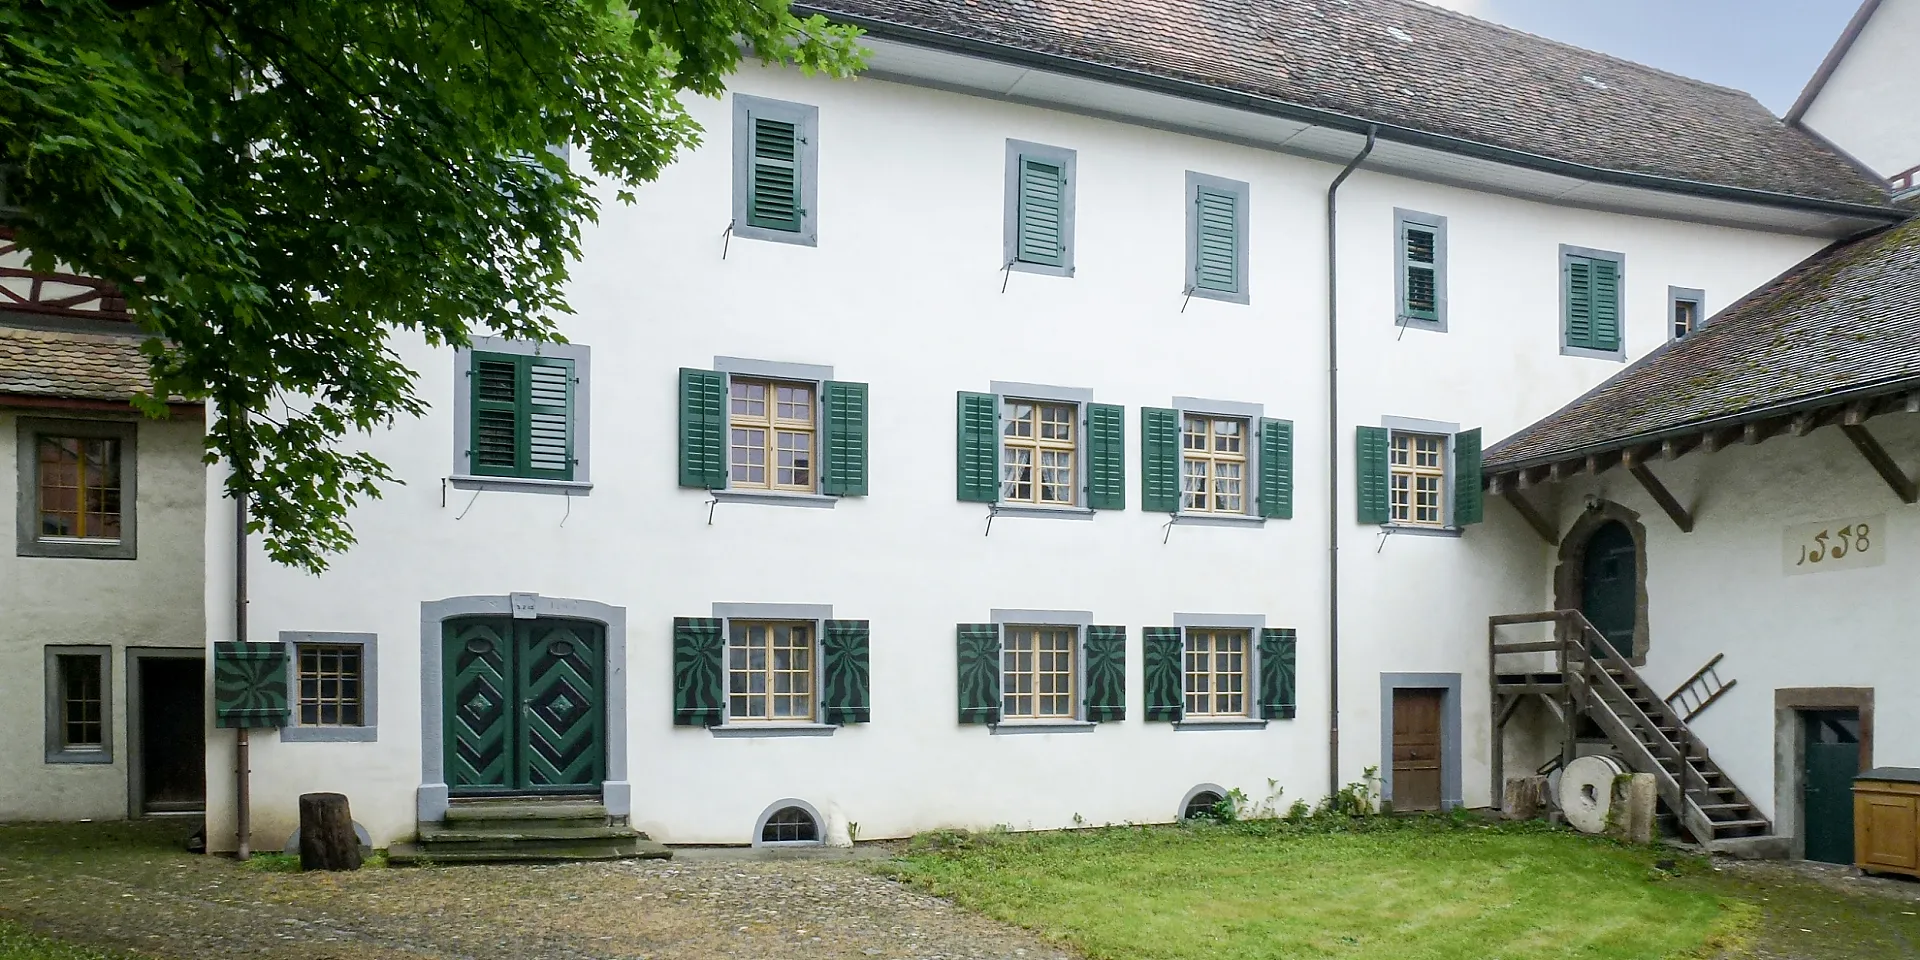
1333,467
243,792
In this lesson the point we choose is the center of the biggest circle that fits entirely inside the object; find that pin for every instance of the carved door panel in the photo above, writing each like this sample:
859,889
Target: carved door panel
524,705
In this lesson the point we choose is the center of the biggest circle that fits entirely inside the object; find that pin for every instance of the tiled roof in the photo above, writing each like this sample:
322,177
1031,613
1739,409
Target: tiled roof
1845,320
71,364
1408,64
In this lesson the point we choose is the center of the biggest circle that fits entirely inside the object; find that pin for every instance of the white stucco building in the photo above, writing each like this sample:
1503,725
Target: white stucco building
1860,96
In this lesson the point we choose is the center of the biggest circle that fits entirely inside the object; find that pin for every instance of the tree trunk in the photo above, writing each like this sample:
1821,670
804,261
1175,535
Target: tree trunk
327,841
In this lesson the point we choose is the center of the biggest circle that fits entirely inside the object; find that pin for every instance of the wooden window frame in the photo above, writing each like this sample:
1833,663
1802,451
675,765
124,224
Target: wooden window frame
31,543
811,696
1034,632
1692,296
1038,446
58,748
367,730
1248,678
773,426
1414,472
1213,459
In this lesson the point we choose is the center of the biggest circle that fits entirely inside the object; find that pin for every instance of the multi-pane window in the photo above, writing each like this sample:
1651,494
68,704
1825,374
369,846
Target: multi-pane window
80,705
771,435
331,681
1416,468
1039,449
1037,673
1216,672
79,488
770,671
1213,464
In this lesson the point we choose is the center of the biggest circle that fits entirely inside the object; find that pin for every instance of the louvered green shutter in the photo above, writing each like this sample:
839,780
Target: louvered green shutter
522,416
1419,246
1469,503
1216,240
1166,695
845,443
1606,305
703,429
550,389
699,672
1106,673
496,434
250,685
1106,456
977,457
977,653
1593,303
1040,220
843,670
1370,474
1277,700
1579,283
1159,460
1276,469
773,189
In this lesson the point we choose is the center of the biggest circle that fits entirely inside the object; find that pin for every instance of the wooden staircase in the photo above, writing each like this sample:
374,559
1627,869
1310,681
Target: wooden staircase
1586,678
526,831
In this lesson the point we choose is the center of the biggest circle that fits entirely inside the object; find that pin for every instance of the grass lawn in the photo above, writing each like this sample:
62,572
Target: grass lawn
1409,889
18,943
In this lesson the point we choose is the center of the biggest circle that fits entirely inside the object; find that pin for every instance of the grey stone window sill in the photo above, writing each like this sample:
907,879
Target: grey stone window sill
520,484
79,756
749,730
1219,520
775,498
82,548
1417,530
1618,356
1222,723
1058,513
1420,323
1042,726
329,734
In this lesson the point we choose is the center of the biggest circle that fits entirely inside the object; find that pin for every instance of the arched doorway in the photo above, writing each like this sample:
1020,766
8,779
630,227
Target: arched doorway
1609,585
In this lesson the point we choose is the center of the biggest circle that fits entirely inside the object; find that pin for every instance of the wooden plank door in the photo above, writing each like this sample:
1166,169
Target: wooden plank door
478,704
561,737
1829,764
1416,749
1609,587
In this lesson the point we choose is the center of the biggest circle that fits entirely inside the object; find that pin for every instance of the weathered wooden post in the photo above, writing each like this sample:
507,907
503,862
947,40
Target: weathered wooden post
327,841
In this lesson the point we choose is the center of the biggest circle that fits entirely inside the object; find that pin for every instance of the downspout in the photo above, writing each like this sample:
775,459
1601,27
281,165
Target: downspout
242,760
1333,465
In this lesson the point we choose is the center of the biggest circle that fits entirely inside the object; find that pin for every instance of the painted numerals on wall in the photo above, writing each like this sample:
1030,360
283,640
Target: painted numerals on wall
1843,544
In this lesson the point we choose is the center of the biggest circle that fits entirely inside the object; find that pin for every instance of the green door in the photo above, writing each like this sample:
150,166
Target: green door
1609,587
524,705
1832,761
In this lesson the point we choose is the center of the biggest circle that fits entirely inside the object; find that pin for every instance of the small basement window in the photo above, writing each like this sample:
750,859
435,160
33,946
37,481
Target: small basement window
1202,806
790,825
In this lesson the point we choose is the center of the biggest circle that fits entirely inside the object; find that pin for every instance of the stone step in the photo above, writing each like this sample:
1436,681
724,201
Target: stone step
496,810
415,854
517,831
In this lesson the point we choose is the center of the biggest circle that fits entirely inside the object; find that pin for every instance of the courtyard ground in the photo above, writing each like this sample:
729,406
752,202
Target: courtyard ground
1428,889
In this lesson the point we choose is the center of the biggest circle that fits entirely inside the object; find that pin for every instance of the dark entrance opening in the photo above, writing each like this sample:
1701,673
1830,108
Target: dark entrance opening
172,746
1609,585
1829,762
1416,749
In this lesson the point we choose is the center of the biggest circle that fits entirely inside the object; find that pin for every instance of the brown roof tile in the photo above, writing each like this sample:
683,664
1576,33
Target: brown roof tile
71,364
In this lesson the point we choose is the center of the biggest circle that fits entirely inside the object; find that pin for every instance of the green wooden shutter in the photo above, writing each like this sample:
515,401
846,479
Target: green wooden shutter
699,672
978,657
703,429
1579,305
1469,501
1216,240
1106,456
843,669
249,685
1420,261
1166,694
1370,474
845,406
773,187
1040,221
1276,469
1277,695
1606,305
1106,673
550,399
977,458
495,431
1159,460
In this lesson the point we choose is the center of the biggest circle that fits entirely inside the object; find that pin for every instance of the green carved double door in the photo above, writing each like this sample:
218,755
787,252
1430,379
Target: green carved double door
525,705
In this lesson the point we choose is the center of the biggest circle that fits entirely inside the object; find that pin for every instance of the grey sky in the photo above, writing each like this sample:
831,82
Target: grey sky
1768,48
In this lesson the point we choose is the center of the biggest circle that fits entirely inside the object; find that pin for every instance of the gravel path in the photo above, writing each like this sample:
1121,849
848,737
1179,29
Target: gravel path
201,908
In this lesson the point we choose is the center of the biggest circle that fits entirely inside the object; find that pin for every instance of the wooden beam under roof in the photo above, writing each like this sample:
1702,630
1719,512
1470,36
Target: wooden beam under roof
1876,455
1532,516
1636,465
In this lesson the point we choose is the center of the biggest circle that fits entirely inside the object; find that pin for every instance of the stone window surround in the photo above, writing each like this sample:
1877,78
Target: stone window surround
1180,813
1450,790
1447,527
1079,620
1240,191
30,430
1080,398
1697,297
1571,569
56,750
1252,623
806,121
815,374
368,730
816,614
1403,218
1252,413
1011,241
462,477
819,824
1620,274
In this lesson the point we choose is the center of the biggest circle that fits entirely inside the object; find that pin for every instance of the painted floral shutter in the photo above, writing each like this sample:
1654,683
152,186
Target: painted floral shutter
1216,240
703,429
699,672
845,441
1040,228
1166,695
843,669
773,198
977,457
977,652
1159,460
1106,673
1469,501
1276,469
1277,694
1106,456
1370,474
1419,259
250,685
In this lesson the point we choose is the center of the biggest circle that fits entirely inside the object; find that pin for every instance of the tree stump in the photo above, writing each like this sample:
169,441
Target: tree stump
327,841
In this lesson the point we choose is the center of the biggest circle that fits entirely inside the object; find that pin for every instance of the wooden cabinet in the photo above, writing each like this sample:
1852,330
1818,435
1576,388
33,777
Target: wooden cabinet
1886,821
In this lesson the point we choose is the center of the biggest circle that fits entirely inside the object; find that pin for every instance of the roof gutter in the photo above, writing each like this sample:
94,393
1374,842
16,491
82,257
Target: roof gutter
1205,93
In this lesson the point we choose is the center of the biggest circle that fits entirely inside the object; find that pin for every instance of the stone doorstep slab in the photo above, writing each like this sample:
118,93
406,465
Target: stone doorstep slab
512,810
414,854
516,832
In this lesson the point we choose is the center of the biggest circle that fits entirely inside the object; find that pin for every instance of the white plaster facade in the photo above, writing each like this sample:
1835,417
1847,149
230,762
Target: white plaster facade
1866,104
904,292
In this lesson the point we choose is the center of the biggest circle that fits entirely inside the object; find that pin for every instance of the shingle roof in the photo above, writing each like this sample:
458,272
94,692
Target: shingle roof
1416,66
71,364
1845,320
